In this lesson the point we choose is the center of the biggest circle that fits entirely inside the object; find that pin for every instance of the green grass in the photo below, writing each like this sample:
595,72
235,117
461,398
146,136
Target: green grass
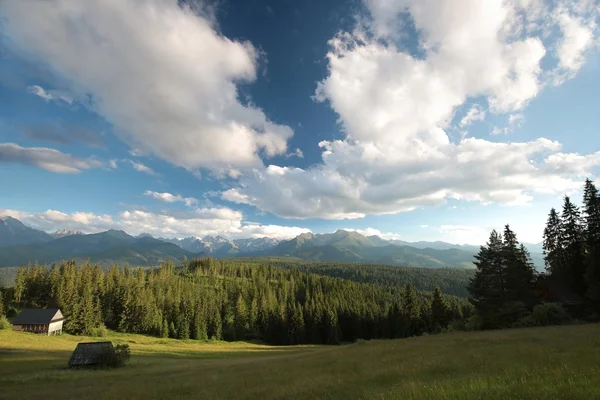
538,363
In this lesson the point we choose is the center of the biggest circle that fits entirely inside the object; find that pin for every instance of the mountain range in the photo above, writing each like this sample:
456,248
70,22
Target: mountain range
20,244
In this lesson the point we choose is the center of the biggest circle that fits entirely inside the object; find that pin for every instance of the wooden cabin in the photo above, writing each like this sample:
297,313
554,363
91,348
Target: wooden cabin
45,321
90,354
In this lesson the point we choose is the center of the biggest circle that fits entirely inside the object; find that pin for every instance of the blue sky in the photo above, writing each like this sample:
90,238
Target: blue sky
417,120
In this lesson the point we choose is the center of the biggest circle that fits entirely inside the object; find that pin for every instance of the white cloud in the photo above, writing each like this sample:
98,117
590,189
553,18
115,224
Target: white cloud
475,113
376,232
52,95
138,166
46,158
296,153
424,226
360,179
156,70
394,108
113,164
136,152
169,198
578,36
199,222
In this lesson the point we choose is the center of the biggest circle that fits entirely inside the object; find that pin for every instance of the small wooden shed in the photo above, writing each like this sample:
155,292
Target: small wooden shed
45,321
90,354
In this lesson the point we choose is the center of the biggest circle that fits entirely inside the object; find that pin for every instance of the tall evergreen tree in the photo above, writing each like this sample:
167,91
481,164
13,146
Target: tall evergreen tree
554,256
487,287
573,243
411,312
591,209
502,288
440,311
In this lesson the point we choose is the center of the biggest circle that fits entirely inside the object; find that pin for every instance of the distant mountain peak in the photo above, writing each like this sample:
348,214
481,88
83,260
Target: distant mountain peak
10,220
60,233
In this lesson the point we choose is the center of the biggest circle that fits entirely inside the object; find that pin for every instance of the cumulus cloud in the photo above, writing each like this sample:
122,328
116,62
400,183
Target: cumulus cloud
158,71
394,108
199,222
138,166
46,158
170,198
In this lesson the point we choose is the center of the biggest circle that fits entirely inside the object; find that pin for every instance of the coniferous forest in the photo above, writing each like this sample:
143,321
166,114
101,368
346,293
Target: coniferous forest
209,299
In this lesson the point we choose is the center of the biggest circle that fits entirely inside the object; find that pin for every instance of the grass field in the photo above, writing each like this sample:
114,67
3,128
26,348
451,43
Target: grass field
538,363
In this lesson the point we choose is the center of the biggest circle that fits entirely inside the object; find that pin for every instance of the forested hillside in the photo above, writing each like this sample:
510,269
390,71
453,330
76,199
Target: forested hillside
210,299
452,281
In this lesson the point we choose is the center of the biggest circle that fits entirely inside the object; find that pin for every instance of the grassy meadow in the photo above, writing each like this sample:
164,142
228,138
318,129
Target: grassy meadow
536,363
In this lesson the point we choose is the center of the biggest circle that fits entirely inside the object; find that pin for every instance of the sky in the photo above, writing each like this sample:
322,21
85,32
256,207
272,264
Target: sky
409,119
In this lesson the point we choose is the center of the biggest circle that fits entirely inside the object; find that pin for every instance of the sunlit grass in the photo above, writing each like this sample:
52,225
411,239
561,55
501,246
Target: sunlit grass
541,363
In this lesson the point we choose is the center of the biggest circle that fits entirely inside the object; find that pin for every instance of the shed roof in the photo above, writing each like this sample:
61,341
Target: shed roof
38,316
89,353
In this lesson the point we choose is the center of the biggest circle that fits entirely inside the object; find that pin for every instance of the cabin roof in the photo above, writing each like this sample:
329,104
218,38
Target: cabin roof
89,353
38,316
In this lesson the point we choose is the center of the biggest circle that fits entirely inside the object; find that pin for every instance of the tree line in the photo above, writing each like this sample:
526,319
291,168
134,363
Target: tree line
507,291
210,299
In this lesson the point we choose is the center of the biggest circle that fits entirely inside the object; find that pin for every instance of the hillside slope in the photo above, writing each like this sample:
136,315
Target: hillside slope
14,233
349,246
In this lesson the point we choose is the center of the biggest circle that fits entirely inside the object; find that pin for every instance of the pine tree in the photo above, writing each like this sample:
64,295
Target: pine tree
20,284
591,200
440,311
296,325
519,276
574,247
487,287
410,311
164,329
554,256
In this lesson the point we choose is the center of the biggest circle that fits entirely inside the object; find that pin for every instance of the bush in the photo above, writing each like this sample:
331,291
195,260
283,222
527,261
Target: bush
100,331
115,357
550,314
4,324
456,325
544,314
474,323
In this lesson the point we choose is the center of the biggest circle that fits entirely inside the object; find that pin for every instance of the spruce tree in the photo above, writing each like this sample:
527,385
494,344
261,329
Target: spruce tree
411,311
574,247
440,311
519,276
487,287
554,256
591,209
